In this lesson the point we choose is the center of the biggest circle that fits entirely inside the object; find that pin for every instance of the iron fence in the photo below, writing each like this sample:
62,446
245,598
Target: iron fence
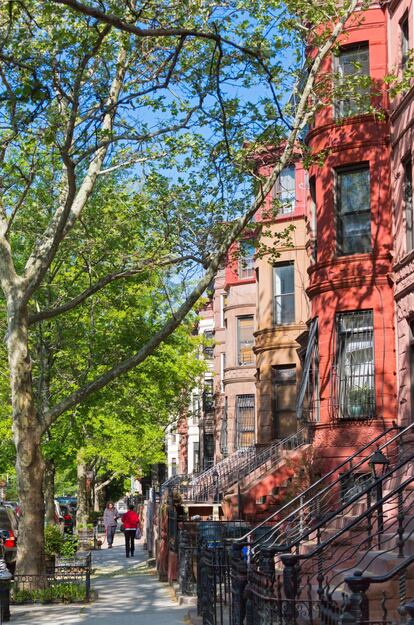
69,582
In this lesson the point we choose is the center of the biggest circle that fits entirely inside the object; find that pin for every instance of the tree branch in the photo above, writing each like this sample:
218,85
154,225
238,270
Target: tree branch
102,283
66,216
302,115
120,24
108,481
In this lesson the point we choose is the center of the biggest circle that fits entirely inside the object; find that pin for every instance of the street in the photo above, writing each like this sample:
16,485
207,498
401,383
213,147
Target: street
127,594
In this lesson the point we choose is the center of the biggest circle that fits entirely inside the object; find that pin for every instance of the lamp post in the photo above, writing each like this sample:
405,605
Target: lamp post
379,464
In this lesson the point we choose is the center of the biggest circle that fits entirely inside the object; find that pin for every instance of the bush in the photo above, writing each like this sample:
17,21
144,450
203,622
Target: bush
53,541
65,592
69,546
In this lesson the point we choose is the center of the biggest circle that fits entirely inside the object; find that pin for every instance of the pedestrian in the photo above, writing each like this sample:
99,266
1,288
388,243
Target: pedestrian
109,519
130,522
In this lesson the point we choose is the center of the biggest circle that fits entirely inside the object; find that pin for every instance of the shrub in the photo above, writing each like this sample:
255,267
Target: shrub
66,592
69,546
53,541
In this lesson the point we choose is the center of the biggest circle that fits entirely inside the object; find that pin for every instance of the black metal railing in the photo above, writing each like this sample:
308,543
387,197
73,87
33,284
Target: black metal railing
304,576
326,580
69,582
295,520
214,548
251,461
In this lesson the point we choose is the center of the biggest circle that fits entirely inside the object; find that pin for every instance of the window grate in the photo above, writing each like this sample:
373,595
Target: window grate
245,420
355,383
245,340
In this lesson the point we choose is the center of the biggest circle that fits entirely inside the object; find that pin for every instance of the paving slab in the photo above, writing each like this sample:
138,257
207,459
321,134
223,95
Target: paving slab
128,594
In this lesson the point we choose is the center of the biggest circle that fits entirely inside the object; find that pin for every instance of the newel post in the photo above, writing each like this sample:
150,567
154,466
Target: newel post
357,605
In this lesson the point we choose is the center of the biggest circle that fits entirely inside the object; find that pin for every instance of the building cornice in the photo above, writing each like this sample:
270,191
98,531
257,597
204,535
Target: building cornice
235,306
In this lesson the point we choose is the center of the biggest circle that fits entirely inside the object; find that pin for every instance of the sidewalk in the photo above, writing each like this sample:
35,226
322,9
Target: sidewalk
127,594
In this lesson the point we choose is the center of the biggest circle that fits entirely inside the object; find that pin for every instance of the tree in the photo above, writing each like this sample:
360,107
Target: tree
87,91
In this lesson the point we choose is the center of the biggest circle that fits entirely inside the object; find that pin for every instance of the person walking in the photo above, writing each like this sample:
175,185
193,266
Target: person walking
131,522
109,519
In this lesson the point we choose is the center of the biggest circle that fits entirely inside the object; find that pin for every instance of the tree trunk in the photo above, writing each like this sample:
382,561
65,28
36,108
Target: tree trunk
49,489
82,508
27,432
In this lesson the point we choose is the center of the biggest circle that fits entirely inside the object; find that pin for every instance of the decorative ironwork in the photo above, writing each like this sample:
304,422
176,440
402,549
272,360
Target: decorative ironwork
186,553
305,570
34,588
326,497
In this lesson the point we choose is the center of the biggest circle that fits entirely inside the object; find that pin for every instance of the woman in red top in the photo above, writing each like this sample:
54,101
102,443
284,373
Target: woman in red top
130,521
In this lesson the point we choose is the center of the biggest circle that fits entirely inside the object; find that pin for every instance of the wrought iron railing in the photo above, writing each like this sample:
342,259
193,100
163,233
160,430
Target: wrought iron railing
296,519
329,579
376,539
70,581
252,461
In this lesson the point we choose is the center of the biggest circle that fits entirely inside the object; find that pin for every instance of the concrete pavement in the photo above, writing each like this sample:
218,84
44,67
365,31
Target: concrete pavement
127,595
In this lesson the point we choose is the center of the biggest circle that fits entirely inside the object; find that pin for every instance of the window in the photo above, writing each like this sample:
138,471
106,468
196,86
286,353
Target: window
222,307
353,211
353,62
208,450
208,396
222,367
284,293
245,419
411,356
196,407
405,41
284,191
208,349
408,202
355,364
246,259
173,467
245,340
196,457
284,400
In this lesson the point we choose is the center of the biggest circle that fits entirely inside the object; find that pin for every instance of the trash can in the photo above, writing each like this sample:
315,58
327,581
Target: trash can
5,578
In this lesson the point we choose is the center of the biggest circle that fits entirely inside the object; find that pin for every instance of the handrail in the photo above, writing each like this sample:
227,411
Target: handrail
327,488
238,454
231,472
299,498
267,453
366,513
381,579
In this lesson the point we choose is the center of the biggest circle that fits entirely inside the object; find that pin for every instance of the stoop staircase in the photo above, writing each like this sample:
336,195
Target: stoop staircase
341,552
240,468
